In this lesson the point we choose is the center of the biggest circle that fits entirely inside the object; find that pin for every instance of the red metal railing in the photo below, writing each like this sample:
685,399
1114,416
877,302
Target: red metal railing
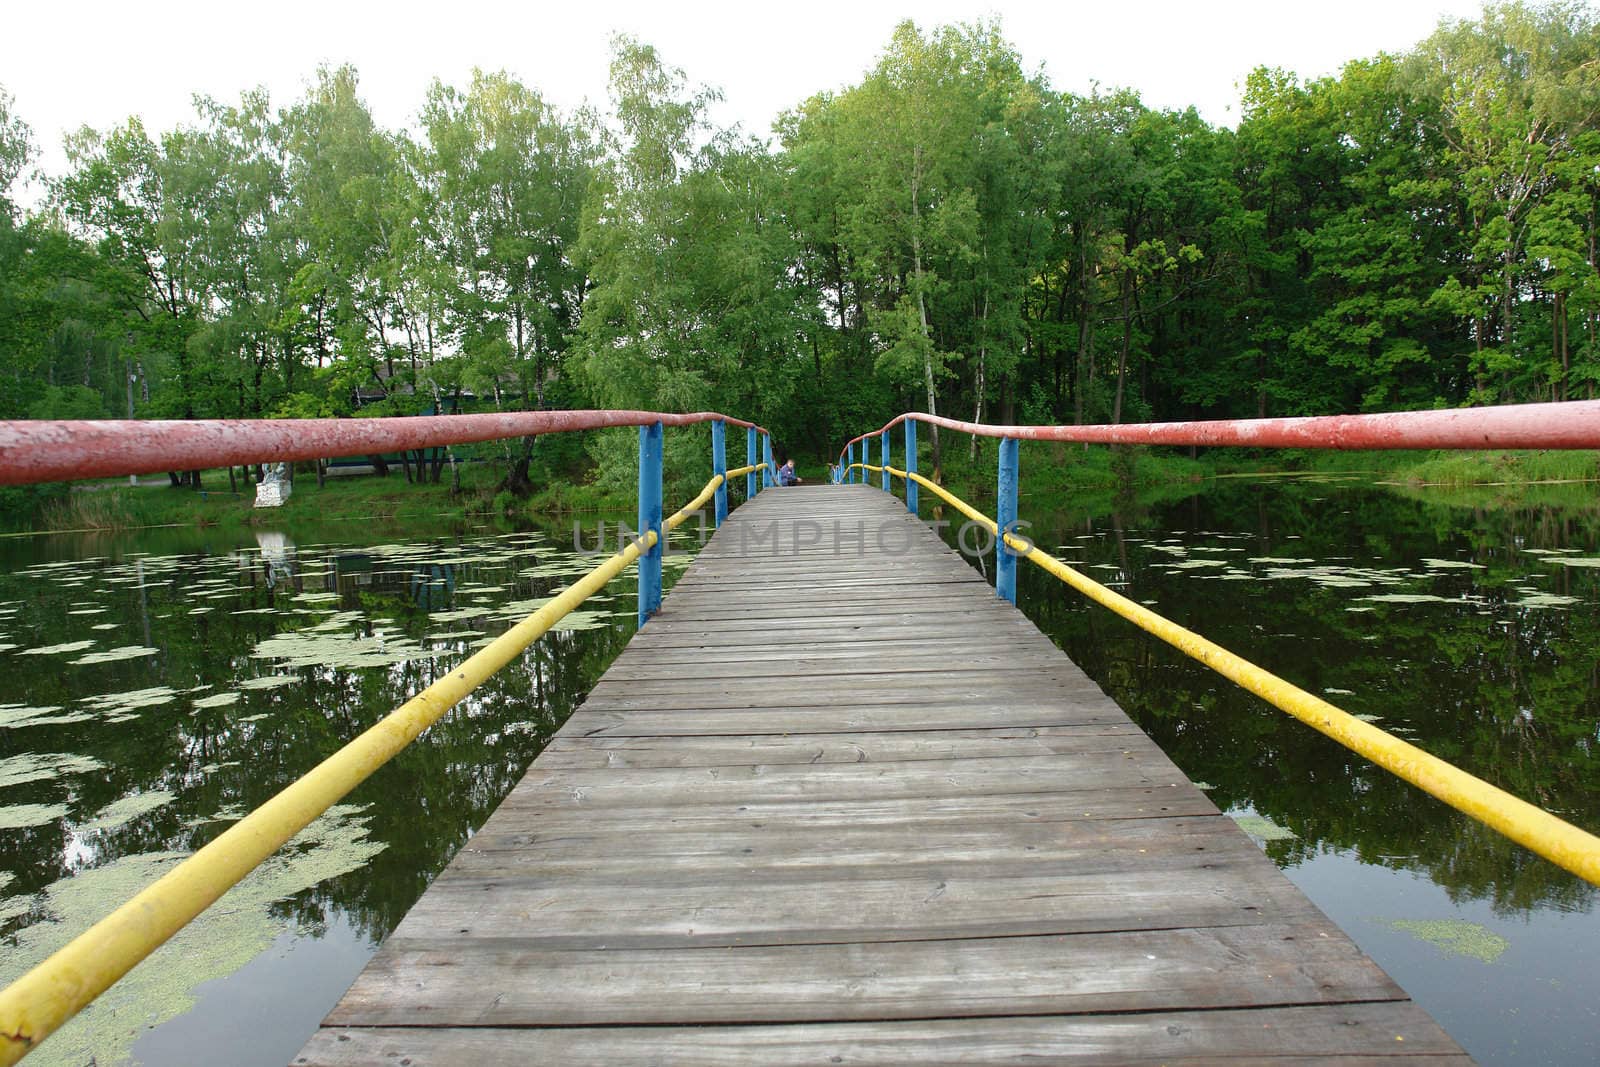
1573,424
61,451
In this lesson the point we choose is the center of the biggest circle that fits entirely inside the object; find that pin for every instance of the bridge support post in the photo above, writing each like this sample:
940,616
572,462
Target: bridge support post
650,519
866,457
750,461
719,465
767,479
1005,570
849,461
911,465
883,449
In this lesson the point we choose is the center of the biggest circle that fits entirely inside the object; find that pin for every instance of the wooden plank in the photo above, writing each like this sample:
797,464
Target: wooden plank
1307,1035
854,906
503,983
732,853
839,803
1062,806
634,787
975,688
570,751
595,845
836,718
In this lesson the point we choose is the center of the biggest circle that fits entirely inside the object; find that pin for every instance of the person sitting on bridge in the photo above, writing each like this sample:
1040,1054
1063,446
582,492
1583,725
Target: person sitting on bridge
786,474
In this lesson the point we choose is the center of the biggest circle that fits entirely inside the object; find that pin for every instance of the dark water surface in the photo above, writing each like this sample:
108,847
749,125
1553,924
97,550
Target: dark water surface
224,665
1473,632
161,685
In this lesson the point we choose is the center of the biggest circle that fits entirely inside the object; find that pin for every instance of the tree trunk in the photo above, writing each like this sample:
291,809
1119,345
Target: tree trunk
516,481
1085,334
1127,340
983,351
1559,317
922,308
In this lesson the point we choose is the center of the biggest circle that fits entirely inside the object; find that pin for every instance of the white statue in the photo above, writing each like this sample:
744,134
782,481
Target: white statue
275,488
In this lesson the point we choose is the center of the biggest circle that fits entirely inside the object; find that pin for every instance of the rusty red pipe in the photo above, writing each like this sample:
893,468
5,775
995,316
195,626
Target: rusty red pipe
1569,425
60,451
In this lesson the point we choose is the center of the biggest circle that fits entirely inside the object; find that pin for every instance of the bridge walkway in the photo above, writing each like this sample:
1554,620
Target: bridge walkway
839,803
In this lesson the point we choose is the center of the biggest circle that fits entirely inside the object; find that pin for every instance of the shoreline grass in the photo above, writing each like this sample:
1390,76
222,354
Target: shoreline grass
1053,474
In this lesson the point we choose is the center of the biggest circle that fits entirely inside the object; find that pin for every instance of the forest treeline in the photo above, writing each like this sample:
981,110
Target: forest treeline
949,233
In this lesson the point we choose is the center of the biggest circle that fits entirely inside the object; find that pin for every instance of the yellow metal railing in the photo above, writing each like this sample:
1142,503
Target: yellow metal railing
38,1003
1555,839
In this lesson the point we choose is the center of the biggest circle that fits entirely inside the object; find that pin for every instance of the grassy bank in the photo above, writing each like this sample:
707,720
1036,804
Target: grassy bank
115,505
1055,477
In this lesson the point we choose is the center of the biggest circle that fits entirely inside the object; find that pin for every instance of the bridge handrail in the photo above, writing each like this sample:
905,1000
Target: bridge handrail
38,1003
62,450
1564,425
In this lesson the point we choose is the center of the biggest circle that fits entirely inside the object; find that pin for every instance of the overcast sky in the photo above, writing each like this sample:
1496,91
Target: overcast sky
93,62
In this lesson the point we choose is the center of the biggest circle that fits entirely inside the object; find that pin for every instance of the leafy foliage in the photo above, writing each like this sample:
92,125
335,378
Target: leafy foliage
948,233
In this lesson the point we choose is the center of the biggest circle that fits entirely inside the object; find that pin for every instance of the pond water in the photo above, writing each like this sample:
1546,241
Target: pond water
163,684
1472,631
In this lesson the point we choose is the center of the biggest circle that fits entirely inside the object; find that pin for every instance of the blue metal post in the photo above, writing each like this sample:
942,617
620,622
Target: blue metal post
766,461
650,519
750,461
849,461
883,449
911,465
719,465
1005,570
866,458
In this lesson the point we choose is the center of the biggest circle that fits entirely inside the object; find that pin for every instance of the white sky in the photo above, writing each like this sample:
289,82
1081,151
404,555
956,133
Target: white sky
93,62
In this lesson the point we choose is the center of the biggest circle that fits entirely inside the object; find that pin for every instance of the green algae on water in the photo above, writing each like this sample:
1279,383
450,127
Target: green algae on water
1264,829
112,655
222,939
120,704
267,681
120,813
20,816
51,650
43,767
1458,937
19,715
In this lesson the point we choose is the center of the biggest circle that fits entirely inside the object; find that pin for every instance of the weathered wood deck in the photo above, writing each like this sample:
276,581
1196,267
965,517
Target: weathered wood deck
841,804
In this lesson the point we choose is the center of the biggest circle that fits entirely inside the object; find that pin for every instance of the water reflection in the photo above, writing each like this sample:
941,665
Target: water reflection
160,695
1473,631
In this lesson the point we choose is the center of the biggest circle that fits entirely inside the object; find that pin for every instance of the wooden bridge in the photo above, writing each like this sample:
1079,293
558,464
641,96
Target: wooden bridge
839,803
